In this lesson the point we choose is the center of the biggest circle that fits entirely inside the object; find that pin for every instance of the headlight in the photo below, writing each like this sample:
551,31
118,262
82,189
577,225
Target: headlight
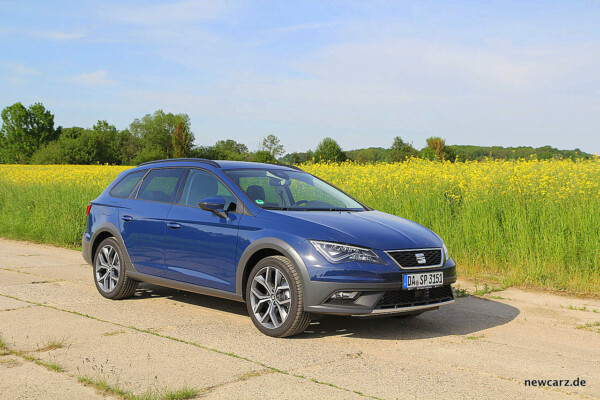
337,253
446,254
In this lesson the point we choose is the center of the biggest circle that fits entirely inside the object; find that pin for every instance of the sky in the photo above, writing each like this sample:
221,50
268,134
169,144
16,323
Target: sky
473,72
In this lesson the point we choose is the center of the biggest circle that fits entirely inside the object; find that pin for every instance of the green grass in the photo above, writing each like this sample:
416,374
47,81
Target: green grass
4,350
104,387
52,213
460,292
584,308
592,327
113,333
487,289
475,337
53,344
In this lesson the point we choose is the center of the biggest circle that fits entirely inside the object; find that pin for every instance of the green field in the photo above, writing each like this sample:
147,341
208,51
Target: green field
511,223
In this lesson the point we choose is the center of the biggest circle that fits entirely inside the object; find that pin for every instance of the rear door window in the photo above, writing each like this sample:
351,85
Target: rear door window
126,185
160,185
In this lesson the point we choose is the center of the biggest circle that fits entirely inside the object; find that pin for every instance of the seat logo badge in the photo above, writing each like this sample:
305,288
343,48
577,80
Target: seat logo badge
420,258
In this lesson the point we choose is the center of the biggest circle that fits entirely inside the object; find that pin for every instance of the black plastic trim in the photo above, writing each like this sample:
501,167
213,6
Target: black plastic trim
284,165
155,280
202,160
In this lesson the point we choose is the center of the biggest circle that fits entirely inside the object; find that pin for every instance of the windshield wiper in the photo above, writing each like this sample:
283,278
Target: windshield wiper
309,209
329,209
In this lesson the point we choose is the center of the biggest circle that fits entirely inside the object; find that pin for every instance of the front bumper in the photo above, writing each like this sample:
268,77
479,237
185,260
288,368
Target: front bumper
379,298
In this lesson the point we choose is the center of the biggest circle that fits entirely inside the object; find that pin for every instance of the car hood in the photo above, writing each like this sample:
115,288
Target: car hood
372,229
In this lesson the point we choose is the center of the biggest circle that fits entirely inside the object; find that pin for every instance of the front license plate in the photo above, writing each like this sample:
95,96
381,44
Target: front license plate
423,280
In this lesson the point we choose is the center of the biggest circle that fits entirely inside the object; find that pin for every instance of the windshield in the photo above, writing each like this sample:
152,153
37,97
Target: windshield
275,189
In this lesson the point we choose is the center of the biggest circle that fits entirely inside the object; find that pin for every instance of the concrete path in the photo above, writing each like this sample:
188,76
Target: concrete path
58,330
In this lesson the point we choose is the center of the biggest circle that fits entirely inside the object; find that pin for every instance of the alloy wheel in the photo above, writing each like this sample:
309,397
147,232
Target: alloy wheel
108,268
270,297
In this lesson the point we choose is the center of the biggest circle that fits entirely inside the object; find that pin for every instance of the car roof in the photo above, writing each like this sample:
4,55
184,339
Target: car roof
222,164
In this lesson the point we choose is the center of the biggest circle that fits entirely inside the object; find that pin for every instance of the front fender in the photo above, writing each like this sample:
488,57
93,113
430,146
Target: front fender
270,243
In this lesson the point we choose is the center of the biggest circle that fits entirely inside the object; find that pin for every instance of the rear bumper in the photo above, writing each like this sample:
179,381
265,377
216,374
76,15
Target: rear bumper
85,248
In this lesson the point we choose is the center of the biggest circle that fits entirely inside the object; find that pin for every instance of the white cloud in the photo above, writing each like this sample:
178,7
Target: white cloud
302,27
20,69
97,78
57,36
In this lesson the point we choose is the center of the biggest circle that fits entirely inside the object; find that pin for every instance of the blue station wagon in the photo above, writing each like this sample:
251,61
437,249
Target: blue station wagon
288,244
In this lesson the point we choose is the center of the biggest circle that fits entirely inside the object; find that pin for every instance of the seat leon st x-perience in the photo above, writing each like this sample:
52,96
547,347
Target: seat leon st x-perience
287,243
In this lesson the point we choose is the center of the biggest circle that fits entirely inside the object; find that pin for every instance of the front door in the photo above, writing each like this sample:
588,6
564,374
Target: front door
200,247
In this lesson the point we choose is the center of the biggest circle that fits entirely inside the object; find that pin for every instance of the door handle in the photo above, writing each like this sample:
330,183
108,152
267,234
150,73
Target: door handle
127,218
173,225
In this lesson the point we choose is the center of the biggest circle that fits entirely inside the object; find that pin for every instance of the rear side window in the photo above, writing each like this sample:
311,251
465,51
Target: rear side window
126,185
160,185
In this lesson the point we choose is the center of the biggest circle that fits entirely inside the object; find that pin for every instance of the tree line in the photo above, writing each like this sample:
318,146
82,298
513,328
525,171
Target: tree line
28,136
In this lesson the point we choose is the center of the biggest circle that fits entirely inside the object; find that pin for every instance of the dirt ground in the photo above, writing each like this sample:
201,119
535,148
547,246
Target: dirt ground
57,328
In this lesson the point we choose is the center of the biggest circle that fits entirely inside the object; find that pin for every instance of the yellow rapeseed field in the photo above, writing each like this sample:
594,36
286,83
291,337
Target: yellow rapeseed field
82,175
528,223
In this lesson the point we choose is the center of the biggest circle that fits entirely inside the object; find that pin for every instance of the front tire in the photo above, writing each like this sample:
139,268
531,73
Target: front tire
110,276
275,298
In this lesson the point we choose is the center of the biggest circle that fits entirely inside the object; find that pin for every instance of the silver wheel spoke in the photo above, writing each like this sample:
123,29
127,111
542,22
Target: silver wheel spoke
258,304
102,260
274,320
115,258
106,253
258,294
266,314
261,281
268,279
277,280
282,312
284,287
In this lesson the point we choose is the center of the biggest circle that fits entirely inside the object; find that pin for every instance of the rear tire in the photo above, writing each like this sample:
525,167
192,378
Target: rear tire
275,298
110,275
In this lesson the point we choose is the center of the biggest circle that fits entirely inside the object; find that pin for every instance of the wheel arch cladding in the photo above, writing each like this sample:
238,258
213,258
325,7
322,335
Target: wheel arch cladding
97,240
252,261
260,249
109,230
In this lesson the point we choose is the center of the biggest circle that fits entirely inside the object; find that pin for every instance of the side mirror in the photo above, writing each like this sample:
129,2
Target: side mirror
216,205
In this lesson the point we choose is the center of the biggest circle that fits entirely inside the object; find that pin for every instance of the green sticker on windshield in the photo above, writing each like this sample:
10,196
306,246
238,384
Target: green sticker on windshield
259,201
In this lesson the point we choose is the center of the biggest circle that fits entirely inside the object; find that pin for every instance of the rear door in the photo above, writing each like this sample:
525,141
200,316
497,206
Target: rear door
143,219
200,247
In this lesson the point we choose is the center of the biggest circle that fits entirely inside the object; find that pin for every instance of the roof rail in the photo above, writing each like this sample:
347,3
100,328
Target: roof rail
202,160
286,165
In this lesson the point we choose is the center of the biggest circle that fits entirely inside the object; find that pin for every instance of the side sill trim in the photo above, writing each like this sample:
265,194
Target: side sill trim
155,280
403,310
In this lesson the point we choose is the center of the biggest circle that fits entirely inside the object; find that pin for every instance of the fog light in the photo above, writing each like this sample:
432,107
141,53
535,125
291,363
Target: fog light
345,295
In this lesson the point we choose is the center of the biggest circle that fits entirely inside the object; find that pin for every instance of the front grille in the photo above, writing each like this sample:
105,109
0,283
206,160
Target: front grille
410,298
411,258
